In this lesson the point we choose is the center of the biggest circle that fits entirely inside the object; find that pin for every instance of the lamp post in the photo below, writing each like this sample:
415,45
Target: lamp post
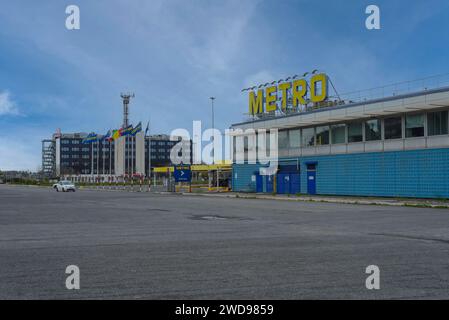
213,149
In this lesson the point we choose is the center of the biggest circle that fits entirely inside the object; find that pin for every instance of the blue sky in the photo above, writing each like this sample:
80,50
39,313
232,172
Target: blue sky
175,54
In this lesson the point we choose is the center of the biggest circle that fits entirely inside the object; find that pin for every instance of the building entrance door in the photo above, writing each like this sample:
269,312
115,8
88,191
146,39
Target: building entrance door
311,178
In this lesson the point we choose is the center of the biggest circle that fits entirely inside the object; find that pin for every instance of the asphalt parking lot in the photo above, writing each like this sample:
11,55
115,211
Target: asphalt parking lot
149,246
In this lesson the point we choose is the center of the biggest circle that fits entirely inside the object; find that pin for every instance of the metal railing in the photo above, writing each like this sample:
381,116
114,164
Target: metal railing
395,89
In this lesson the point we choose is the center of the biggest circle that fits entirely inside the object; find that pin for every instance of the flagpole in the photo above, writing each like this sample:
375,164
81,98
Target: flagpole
110,158
131,160
92,159
98,157
102,154
149,151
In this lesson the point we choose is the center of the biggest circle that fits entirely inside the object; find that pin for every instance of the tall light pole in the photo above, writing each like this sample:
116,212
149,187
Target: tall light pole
213,149
126,97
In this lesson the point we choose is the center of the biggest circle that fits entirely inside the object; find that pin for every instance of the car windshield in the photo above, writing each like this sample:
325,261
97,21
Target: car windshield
65,183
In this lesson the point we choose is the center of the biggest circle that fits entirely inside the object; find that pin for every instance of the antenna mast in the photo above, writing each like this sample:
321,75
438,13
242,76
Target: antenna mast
126,97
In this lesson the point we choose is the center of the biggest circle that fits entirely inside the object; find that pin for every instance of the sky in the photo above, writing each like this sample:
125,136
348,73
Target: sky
174,55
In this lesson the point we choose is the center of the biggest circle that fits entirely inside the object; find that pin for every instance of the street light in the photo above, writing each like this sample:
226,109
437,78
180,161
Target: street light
212,102
213,149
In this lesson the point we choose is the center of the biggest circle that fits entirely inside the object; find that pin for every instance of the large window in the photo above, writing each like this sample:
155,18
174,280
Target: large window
393,128
355,133
372,130
294,138
437,123
322,135
308,137
338,133
283,140
414,125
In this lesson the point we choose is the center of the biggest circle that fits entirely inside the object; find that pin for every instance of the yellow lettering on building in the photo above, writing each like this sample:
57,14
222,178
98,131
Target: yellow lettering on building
256,102
284,89
318,78
299,91
270,99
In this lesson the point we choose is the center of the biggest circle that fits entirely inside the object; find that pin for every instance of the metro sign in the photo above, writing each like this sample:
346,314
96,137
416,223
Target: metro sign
265,101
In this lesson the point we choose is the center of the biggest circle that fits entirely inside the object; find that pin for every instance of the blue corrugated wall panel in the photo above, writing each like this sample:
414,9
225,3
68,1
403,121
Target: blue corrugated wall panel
413,173
243,182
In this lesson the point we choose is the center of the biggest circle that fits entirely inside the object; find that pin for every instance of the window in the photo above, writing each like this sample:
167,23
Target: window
64,141
414,125
322,135
437,123
283,140
372,130
294,138
308,137
393,128
338,133
355,133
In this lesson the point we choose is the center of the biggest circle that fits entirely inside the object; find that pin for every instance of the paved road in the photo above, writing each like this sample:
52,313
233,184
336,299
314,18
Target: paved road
132,245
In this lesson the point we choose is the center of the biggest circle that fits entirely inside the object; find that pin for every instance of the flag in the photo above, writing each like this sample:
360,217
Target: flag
148,128
91,137
136,129
126,131
107,136
116,134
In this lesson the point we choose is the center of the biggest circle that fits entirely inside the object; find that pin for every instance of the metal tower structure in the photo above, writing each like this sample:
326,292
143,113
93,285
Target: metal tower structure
126,97
48,158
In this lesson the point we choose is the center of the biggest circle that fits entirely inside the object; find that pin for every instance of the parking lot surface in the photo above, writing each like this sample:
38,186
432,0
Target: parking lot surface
150,246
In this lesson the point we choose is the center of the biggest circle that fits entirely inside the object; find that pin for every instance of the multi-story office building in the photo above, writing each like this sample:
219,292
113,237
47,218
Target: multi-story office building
65,154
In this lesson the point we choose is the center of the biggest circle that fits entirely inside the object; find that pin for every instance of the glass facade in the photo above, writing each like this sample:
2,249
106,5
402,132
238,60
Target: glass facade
373,130
355,133
322,135
308,137
338,133
393,128
437,123
283,140
414,125
294,138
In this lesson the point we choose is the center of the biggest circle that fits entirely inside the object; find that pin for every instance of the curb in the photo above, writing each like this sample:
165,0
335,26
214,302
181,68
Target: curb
328,200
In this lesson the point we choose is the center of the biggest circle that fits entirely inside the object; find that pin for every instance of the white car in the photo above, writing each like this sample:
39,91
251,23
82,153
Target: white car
64,186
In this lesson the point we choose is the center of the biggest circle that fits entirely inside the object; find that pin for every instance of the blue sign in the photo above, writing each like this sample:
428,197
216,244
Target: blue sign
182,173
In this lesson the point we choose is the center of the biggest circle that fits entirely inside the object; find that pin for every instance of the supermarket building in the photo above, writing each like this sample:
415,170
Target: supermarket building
394,146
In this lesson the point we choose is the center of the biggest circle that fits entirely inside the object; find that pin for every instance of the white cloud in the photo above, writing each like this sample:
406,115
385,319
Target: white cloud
7,106
18,155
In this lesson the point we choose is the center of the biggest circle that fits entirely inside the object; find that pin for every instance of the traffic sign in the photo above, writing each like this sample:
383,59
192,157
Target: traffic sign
182,173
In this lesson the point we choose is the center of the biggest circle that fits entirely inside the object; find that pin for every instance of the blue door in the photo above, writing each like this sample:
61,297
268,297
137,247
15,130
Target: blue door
259,183
295,183
269,184
281,183
311,182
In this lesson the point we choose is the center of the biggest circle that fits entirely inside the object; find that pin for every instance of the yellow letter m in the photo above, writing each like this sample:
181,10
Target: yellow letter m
256,102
